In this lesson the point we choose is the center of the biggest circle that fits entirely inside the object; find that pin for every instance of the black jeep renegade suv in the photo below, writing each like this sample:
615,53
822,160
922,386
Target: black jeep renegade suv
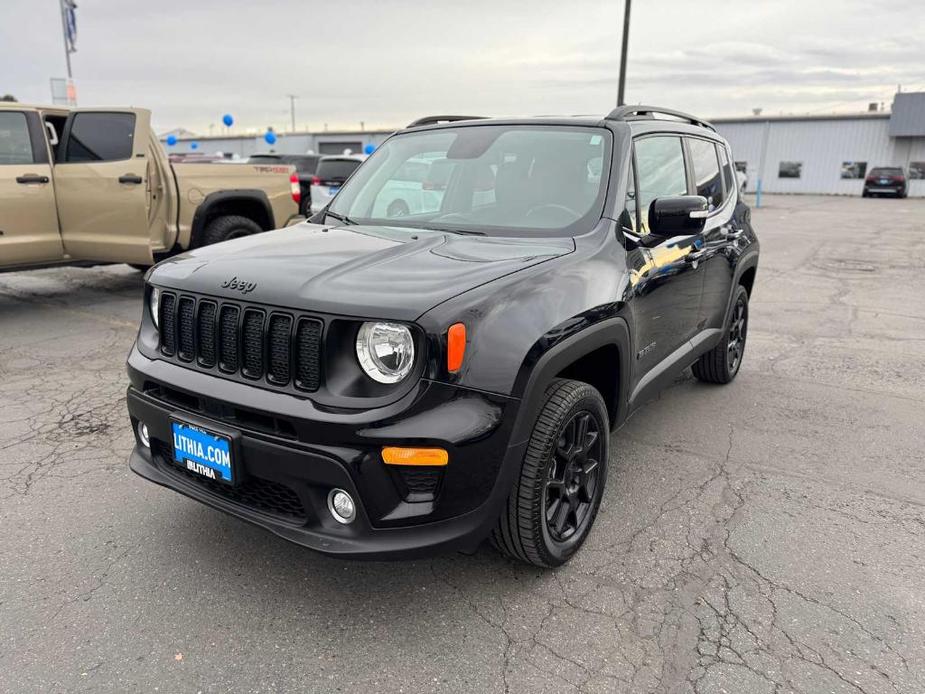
370,385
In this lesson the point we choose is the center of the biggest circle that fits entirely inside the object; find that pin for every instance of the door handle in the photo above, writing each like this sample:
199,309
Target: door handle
130,178
31,178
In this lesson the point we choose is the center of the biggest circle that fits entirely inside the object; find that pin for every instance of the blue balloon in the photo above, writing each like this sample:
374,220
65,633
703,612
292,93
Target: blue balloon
228,120
194,145
171,140
369,149
270,137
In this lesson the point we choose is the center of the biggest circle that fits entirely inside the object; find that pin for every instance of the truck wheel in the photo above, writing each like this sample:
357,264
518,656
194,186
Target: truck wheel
226,228
555,498
721,364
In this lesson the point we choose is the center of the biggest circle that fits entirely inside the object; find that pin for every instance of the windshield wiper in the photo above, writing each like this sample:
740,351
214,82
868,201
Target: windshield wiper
342,218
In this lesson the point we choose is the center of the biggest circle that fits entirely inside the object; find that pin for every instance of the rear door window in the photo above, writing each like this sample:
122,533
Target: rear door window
336,169
707,180
15,146
729,176
101,137
660,171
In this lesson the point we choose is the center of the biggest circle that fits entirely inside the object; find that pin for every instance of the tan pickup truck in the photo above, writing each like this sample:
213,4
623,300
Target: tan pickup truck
94,185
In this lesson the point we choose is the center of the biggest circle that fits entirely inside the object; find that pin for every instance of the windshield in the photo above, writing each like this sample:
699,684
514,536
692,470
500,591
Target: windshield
886,171
520,180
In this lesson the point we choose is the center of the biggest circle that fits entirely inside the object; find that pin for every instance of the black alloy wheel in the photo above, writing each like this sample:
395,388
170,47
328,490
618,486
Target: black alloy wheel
572,477
735,343
552,506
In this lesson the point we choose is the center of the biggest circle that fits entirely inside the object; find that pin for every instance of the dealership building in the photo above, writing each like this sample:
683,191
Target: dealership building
827,154
830,154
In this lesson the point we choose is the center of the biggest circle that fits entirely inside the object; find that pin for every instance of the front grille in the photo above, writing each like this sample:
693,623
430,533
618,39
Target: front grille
256,493
278,349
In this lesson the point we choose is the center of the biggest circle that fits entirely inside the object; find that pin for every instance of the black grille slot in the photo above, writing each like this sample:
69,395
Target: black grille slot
186,338
228,329
168,323
308,354
252,343
278,348
278,345
205,327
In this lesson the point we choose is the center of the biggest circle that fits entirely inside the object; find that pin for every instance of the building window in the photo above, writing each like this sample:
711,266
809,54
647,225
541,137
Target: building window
742,166
853,169
790,169
917,169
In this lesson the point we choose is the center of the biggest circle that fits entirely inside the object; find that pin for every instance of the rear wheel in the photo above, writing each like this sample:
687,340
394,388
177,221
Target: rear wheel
556,496
722,363
226,228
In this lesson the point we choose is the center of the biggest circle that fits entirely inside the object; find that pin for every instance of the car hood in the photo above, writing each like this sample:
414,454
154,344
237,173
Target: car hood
364,271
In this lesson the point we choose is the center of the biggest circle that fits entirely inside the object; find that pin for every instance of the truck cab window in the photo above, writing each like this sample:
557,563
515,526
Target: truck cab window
100,137
15,146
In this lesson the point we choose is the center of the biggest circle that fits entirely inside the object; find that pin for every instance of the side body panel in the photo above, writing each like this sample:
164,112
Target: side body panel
28,216
195,182
104,206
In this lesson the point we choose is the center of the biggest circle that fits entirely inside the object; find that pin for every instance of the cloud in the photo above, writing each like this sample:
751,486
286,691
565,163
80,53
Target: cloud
385,63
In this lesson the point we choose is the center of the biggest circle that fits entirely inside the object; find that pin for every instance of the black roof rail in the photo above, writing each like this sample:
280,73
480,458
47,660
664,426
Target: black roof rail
433,120
639,111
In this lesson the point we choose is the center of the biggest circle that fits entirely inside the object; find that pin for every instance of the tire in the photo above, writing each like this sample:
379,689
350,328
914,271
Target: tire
305,206
865,194
556,469
397,208
722,363
226,228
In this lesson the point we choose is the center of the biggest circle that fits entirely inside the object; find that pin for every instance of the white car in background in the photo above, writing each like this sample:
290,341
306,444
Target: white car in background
330,175
741,181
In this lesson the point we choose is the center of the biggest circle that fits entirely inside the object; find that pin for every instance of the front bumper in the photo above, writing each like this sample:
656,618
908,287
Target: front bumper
290,455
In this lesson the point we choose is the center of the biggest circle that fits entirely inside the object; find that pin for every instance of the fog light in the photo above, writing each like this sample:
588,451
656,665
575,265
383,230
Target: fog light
143,435
341,506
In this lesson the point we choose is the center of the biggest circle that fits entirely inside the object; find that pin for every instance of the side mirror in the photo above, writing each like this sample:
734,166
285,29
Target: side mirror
680,215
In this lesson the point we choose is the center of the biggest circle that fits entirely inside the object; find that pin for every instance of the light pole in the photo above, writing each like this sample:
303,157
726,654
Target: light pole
292,98
626,40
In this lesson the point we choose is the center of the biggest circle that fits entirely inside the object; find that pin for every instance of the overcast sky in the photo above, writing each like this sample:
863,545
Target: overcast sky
386,62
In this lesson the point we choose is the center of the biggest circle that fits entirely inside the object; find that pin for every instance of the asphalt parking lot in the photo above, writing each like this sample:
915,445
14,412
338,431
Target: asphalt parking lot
767,536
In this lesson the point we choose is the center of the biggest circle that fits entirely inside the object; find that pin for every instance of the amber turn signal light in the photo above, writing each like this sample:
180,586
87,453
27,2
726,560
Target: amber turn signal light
392,455
455,347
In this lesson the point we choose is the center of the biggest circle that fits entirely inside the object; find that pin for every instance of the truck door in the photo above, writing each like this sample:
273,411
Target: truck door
100,179
28,220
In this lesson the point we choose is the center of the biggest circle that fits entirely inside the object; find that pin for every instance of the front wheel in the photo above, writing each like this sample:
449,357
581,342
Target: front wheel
556,496
721,364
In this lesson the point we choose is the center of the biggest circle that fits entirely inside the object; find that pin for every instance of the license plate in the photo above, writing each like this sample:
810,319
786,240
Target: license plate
333,190
202,452
883,181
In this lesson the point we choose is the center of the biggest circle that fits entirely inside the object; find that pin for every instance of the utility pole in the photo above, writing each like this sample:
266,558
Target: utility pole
626,39
292,98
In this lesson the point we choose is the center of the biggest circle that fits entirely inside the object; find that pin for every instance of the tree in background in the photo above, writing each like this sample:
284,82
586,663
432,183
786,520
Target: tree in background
7,97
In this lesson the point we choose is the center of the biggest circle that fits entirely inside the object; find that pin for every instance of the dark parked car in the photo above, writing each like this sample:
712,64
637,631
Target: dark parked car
305,166
330,176
388,387
886,180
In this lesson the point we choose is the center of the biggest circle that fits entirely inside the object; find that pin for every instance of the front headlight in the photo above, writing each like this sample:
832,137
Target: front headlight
154,301
385,351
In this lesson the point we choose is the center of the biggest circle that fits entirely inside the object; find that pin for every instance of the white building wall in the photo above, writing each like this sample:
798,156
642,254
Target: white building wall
821,145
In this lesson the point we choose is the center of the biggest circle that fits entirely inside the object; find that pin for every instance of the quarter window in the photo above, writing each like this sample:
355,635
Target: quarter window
15,146
728,176
101,137
660,171
706,171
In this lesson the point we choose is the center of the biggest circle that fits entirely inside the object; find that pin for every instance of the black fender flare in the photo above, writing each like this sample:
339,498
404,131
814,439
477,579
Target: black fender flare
223,196
611,331
747,262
